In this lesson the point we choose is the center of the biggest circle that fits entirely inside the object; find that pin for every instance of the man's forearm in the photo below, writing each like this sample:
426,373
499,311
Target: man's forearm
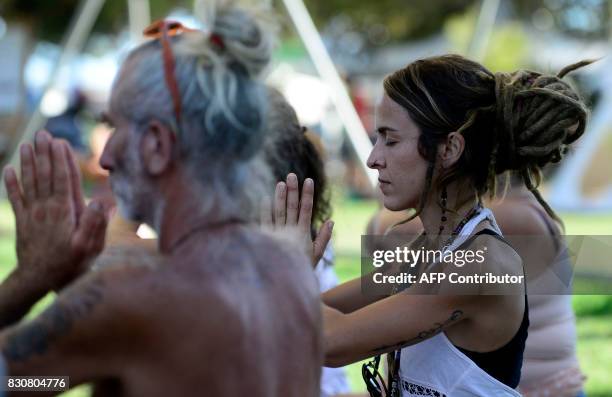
17,295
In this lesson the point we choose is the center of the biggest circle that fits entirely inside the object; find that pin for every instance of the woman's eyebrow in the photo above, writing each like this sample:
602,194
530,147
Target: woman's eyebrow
384,129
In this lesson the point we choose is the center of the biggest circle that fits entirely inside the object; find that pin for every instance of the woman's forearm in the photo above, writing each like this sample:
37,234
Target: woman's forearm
348,297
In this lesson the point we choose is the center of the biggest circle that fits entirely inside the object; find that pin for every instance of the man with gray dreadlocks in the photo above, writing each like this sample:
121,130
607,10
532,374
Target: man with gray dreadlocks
188,109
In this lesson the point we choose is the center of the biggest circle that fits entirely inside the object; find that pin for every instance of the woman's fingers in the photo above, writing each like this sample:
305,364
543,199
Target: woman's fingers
280,204
28,173
306,205
44,167
321,241
293,199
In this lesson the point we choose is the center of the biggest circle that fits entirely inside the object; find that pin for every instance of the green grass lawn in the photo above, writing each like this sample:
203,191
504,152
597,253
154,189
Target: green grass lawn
594,313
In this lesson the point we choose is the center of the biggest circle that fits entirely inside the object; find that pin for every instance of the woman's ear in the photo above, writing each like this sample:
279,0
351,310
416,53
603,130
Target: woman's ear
450,152
156,147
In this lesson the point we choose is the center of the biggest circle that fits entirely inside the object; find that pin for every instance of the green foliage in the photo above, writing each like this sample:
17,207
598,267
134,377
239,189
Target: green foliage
507,49
404,20
418,18
595,353
592,305
48,20
459,28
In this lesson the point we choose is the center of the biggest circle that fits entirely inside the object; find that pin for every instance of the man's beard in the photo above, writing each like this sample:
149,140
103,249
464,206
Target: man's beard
125,198
128,185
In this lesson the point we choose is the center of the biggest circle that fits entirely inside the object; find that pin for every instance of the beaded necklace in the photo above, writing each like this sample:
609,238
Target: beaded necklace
474,211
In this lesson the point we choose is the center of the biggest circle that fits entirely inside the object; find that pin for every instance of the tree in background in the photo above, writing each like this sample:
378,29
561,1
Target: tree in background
47,20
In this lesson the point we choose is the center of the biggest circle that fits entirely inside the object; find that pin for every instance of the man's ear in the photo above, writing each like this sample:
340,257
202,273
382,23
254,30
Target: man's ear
156,147
451,151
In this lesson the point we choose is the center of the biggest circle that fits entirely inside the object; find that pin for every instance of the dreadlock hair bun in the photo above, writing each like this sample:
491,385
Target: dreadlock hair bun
537,116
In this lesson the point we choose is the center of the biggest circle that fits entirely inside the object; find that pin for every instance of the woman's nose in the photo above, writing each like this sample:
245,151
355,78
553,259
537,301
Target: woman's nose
375,160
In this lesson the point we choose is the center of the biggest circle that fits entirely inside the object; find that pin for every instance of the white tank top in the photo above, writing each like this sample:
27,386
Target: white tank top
333,380
435,367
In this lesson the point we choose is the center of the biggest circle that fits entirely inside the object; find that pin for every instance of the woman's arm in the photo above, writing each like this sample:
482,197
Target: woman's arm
389,324
348,297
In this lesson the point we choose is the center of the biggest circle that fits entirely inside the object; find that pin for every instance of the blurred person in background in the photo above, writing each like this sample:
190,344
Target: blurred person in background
66,125
292,149
550,366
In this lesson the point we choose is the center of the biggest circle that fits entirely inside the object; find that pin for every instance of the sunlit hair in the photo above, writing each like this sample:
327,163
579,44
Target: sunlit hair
223,100
517,121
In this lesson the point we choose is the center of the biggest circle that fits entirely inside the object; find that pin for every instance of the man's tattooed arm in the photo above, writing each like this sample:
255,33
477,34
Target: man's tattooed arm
35,337
421,336
70,338
17,295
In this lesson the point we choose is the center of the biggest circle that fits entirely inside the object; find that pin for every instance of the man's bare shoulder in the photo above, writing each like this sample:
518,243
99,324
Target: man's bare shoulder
284,246
280,256
245,267
128,257
248,268
245,249
122,275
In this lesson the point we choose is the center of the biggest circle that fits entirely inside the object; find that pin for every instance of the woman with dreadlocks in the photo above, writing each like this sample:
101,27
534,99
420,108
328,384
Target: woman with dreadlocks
446,128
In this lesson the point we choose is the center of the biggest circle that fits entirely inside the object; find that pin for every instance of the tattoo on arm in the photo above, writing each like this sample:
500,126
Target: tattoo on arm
16,299
36,336
421,336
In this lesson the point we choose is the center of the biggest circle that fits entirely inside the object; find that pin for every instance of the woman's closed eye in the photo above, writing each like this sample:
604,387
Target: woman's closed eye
390,142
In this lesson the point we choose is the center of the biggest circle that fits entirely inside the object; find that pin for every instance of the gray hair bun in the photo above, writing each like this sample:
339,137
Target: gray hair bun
243,35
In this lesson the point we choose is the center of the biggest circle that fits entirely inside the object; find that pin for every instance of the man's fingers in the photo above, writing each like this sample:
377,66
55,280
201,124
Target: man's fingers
13,191
320,243
265,216
43,164
293,199
61,173
306,204
28,172
89,237
280,204
75,181
98,235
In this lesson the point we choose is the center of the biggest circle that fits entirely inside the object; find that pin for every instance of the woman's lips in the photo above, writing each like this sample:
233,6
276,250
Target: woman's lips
383,185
